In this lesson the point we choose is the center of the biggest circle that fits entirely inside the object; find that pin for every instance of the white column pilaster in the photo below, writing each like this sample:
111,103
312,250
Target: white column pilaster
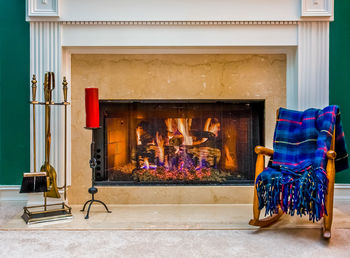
45,55
313,64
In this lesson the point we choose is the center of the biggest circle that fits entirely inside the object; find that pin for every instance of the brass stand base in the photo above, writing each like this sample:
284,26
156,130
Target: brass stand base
46,213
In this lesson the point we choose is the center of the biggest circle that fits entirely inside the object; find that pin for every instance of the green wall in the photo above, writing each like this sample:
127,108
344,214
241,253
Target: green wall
339,66
14,85
14,92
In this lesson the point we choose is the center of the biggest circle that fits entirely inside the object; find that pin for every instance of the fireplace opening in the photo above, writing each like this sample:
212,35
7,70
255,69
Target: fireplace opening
177,142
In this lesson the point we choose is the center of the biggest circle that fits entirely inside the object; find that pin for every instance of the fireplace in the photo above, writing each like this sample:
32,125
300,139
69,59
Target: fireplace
276,51
177,142
151,89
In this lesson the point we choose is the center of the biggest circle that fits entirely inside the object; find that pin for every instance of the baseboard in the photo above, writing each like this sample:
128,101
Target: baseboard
342,192
11,193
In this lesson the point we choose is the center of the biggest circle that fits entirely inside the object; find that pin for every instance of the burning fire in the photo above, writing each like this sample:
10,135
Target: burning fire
184,126
178,149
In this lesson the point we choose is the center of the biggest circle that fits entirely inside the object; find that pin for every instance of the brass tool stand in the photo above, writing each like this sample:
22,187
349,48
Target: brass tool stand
57,211
93,190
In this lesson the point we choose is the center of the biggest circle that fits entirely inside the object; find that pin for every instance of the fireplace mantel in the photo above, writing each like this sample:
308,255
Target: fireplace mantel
299,29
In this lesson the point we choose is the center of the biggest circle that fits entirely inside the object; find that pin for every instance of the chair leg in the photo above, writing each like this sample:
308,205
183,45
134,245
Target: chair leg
256,211
327,220
260,164
327,225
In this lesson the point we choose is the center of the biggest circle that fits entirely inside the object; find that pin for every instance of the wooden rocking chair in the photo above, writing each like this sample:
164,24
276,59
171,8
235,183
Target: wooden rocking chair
260,166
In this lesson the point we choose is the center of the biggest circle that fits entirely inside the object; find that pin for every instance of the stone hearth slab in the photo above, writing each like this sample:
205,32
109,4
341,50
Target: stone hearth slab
168,217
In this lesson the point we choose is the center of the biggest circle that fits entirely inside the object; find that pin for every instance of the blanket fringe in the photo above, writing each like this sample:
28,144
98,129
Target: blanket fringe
298,193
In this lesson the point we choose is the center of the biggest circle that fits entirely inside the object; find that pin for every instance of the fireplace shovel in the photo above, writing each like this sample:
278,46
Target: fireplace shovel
49,86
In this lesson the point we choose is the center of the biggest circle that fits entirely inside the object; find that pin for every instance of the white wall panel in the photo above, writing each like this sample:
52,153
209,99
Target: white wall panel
180,35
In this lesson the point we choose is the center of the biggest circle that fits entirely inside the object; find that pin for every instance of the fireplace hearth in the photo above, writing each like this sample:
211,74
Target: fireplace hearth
177,142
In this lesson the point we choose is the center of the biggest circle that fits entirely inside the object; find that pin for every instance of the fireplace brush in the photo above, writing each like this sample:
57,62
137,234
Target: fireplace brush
34,181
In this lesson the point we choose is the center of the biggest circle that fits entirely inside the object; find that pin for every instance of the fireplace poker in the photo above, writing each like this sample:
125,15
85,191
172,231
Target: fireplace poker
33,102
65,103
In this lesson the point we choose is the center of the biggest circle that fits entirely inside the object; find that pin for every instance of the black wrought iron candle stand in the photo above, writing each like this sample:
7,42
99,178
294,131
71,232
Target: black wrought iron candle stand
93,190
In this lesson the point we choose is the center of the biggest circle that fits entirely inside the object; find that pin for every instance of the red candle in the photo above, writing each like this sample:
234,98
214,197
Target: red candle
92,108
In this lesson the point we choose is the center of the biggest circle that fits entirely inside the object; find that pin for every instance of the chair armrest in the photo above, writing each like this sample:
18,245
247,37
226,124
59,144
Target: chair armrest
263,150
331,154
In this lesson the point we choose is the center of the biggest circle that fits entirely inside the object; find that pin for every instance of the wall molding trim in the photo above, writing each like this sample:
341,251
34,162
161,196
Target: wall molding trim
203,23
11,193
317,8
43,8
178,22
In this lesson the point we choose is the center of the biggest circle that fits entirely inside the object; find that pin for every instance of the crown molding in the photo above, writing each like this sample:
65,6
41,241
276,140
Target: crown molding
178,22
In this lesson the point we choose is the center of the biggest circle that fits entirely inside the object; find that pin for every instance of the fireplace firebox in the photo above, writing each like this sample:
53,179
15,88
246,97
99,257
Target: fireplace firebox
177,142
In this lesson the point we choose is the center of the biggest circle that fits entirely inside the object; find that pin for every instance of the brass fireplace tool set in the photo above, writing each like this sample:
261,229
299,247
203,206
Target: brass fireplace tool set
46,180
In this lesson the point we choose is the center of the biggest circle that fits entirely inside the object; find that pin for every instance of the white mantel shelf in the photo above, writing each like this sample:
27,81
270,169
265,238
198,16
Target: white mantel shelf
297,28
179,10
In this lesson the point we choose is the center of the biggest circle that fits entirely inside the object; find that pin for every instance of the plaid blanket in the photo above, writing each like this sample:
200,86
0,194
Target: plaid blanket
296,179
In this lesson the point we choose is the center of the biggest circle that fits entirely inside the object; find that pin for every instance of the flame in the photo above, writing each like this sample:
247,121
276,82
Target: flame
169,123
138,136
206,125
184,126
147,166
212,127
206,128
230,163
160,147
215,128
171,127
145,163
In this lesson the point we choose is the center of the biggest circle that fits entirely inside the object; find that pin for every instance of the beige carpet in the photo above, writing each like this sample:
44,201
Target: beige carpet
198,243
170,231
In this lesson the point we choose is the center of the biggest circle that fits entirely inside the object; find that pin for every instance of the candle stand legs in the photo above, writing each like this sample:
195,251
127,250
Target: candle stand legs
93,191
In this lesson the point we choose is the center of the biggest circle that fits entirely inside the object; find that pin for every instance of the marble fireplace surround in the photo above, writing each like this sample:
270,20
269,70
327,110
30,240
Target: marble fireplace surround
298,31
